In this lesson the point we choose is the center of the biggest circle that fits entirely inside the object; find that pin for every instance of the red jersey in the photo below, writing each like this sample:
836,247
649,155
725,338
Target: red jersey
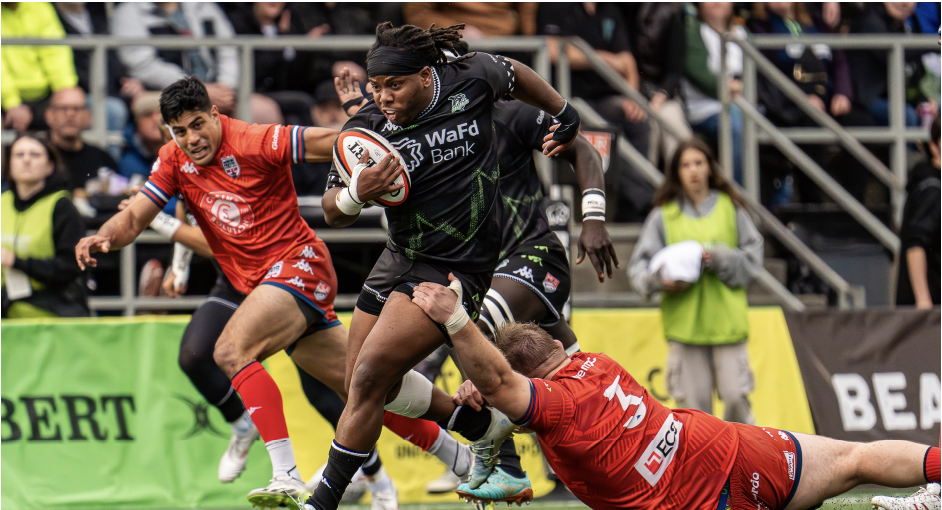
615,446
244,201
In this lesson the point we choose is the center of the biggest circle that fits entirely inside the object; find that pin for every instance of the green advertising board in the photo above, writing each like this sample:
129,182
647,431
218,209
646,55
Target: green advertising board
96,413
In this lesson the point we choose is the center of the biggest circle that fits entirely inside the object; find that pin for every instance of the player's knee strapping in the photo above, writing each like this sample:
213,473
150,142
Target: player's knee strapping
495,312
414,398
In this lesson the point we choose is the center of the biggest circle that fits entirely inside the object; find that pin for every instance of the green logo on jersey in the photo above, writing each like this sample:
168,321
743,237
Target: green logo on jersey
542,248
458,102
533,258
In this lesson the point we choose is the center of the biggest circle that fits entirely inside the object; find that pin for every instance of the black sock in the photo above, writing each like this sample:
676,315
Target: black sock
231,407
508,459
471,424
372,465
342,464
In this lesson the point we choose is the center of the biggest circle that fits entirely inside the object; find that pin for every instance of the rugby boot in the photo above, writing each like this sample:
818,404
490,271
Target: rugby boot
383,492
499,486
282,491
927,498
232,463
485,450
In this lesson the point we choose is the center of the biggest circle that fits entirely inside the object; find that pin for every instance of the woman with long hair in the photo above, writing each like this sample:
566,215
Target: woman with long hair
705,319
40,228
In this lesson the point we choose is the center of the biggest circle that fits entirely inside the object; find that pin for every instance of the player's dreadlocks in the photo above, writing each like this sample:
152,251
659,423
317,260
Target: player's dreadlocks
429,44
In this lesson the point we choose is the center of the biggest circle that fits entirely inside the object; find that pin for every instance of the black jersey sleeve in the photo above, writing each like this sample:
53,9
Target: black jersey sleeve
529,124
496,70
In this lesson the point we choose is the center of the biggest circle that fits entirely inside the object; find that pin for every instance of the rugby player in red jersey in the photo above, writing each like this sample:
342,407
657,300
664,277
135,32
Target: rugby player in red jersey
614,446
236,179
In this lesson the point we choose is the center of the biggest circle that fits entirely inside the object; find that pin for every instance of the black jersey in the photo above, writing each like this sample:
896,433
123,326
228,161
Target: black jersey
520,131
451,215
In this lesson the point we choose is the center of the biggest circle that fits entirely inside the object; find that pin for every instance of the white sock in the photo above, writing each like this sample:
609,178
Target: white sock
380,482
448,450
243,425
282,458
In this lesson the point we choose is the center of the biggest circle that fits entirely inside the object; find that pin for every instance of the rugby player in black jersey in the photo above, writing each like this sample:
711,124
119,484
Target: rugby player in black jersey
440,117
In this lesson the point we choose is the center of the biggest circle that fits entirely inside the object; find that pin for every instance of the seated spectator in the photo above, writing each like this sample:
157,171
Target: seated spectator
870,66
283,75
67,116
481,19
660,42
602,26
918,280
326,110
702,73
31,73
86,19
156,69
143,139
40,228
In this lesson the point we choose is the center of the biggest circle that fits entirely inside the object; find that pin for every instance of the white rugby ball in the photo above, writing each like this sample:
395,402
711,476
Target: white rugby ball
347,152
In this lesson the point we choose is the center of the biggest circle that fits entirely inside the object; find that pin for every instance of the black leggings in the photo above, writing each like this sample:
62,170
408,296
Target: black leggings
196,360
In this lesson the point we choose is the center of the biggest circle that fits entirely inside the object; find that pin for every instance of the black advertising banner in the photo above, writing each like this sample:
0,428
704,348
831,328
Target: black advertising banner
871,374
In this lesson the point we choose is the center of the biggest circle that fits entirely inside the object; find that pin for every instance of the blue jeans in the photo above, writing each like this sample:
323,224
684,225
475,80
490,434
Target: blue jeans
711,127
880,109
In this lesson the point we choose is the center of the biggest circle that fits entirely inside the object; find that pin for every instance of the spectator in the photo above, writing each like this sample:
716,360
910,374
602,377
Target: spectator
702,73
327,111
31,73
143,139
67,116
481,19
602,26
704,318
918,281
40,228
157,68
660,42
88,19
870,66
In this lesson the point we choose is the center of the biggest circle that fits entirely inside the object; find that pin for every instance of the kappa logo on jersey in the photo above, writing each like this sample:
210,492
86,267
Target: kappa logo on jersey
321,291
660,451
275,270
784,436
458,102
303,265
411,148
525,272
308,253
550,283
624,400
189,168
274,137
231,166
227,212
155,166
297,282
790,460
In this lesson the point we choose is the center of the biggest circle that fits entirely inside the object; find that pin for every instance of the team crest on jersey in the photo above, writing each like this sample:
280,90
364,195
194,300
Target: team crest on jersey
275,270
189,168
550,283
155,166
227,212
231,166
458,102
321,291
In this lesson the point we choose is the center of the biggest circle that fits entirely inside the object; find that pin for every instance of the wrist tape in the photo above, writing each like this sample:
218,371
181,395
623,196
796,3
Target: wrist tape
593,204
347,200
459,317
165,225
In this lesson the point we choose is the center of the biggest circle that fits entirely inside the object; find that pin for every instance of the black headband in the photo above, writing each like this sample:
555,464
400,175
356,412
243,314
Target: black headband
386,61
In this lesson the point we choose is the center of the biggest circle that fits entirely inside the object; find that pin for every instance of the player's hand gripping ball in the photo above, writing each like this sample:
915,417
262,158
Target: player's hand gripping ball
349,148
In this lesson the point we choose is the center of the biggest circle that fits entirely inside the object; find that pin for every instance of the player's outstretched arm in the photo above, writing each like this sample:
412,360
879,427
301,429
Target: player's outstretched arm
319,144
532,89
117,232
503,388
594,240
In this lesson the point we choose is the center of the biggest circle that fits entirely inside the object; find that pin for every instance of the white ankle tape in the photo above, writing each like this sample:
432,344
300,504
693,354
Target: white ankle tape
415,396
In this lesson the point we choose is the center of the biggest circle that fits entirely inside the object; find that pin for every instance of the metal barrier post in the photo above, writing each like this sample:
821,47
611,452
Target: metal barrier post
128,278
563,78
98,85
246,82
724,138
897,114
542,64
750,142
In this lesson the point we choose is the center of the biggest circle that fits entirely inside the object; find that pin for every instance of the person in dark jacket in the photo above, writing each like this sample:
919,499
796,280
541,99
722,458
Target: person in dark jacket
919,277
40,229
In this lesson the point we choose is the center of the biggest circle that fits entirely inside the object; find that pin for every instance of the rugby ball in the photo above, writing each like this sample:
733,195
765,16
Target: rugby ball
349,148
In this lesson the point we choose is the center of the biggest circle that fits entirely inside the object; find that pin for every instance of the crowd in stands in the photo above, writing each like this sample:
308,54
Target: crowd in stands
670,52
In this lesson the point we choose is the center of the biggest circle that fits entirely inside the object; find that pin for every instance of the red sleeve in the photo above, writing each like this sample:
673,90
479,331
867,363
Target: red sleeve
162,184
275,144
550,410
